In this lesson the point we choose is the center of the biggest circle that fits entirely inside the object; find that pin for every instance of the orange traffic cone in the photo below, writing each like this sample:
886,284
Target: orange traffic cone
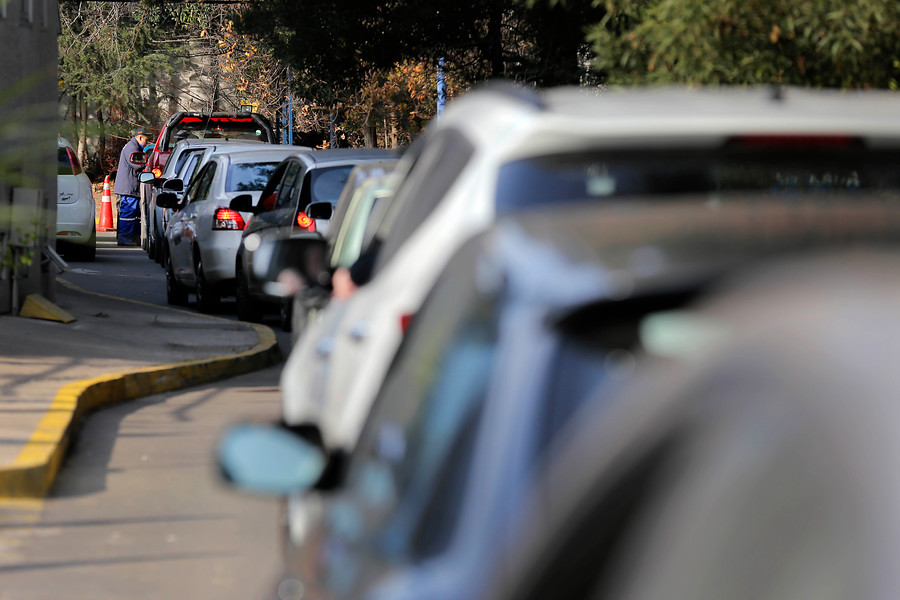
106,216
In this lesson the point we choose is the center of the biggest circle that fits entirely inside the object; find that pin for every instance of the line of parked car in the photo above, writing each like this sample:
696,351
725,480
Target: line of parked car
595,344
217,186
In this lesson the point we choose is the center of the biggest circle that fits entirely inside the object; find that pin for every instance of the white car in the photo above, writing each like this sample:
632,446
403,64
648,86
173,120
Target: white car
76,226
203,235
502,150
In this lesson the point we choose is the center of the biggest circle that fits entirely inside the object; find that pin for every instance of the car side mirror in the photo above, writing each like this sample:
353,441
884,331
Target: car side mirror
307,254
319,210
244,203
173,185
147,177
138,158
269,459
168,200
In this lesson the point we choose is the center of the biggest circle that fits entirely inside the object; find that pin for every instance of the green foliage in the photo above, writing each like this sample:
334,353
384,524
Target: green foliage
335,45
107,54
819,43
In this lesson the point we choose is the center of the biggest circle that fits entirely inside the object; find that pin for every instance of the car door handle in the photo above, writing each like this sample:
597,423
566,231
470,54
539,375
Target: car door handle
359,331
324,347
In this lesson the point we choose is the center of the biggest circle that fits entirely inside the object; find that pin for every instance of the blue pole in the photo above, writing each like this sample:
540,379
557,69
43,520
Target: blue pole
290,108
441,87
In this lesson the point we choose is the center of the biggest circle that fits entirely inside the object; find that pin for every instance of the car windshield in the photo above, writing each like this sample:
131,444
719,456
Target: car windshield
230,128
248,177
784,173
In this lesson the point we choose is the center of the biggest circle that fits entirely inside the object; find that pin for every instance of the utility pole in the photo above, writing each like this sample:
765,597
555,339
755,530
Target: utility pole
441,87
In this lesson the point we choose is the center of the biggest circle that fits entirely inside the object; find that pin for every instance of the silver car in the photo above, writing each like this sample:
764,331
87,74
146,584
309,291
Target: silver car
203,235
76,226
184,161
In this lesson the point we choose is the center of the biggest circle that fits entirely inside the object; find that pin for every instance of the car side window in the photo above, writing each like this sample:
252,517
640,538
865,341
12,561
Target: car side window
435,171
414,455
288,188
199,189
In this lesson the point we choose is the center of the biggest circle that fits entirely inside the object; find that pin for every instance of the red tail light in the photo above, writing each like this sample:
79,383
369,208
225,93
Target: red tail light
157,172
73,162
228,219
304,222
405,321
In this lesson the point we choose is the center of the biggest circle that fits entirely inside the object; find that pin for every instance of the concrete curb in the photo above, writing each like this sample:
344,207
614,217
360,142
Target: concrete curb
34,470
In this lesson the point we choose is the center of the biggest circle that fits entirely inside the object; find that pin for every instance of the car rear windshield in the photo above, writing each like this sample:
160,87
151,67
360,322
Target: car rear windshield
326,184
782,172
68,162
249,177
226,128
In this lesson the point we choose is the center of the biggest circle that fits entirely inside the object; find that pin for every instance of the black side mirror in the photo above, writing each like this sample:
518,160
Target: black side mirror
319,210
138,158
173,185
306,254
244,203
168,200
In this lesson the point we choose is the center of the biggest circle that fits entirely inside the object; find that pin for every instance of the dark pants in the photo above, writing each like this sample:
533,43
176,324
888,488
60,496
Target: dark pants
128,228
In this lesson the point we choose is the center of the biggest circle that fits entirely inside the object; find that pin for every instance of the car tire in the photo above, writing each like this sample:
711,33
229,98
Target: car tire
176,295
88,252
152,248
248,309
208,298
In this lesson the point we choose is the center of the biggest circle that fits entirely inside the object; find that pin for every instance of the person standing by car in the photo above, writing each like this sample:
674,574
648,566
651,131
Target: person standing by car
128,189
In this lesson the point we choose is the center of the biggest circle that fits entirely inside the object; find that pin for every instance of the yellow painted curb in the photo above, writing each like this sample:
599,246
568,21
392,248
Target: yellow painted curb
38,307
32,473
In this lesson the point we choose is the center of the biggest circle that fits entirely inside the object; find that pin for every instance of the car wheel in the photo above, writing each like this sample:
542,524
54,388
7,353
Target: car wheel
152,248
248,309
162,251
176,295
207,297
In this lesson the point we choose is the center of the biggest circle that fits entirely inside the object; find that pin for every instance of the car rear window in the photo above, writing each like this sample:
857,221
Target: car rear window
325,184
249,177
230,128
68,162
784,173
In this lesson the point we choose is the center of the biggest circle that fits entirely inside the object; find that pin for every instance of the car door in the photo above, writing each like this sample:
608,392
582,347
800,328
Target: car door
267,223
182,229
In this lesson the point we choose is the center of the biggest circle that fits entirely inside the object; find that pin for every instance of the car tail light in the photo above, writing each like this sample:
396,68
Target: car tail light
405,321
304,222
228,219
73,162
157,172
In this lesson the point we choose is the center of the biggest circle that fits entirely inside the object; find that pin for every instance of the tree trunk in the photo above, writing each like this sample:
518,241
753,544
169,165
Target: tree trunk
395,129
82,140
368,132
101,125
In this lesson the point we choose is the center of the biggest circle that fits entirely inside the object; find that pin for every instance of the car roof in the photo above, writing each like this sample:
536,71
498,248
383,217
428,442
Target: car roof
568,117
343,156
272,153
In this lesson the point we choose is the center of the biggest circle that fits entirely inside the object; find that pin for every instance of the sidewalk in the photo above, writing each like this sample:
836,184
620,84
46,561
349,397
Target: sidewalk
52,374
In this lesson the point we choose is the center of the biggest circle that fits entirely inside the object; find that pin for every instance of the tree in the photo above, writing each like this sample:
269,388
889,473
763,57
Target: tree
820,43
347,53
